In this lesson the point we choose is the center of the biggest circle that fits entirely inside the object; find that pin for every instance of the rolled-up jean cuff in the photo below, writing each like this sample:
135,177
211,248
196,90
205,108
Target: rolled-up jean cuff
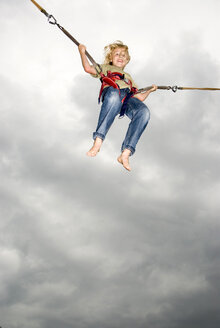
130,148
99,135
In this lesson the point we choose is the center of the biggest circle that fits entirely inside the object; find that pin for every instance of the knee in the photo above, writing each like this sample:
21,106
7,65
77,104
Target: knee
144,113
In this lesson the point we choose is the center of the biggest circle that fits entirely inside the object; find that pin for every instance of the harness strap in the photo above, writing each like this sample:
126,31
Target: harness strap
132,92
110,80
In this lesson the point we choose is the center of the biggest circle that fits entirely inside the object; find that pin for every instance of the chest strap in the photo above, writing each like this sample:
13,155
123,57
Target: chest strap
110,80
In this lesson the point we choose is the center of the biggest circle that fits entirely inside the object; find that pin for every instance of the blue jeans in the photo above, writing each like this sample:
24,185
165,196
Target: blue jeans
136,110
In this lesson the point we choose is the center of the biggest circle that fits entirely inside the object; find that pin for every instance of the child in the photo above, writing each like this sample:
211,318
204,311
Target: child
117,97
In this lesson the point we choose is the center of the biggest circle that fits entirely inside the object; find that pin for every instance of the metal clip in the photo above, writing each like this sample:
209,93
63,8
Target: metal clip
174,88
52,20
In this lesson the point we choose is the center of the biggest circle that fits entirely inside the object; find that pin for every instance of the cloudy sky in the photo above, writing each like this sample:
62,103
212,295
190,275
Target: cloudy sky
84,243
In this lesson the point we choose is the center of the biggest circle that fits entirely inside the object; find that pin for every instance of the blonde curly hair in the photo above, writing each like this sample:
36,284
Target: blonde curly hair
108,50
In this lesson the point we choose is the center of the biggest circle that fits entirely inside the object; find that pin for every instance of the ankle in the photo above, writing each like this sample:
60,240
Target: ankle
126,152
98,141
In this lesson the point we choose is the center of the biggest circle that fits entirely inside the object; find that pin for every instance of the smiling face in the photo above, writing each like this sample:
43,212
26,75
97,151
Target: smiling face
120,57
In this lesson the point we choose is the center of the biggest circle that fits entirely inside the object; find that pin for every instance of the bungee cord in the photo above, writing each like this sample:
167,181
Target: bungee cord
175,88
52,20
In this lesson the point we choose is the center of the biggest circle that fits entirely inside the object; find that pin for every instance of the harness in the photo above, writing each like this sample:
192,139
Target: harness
110,80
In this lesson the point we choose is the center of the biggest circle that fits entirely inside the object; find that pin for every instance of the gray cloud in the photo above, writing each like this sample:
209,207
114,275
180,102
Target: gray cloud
84,243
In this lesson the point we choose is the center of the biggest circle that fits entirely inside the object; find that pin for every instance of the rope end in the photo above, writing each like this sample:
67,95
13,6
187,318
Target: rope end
40,8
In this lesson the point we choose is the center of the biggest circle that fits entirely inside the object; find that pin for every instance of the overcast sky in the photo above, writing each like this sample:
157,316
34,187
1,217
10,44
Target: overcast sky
84,243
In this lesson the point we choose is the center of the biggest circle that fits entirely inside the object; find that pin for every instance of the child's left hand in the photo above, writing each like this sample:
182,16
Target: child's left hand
154,88
144,95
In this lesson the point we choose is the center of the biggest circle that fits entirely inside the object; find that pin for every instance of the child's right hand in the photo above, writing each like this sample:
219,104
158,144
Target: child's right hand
86,65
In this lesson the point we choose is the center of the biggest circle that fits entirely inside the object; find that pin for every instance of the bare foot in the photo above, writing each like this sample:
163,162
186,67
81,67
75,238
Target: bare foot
95,148
124,159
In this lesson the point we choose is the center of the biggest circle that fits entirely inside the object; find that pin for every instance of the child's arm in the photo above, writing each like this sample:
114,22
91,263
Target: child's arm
85,63
144,95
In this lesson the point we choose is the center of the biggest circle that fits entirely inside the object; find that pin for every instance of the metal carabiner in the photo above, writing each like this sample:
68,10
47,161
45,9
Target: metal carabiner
174,88
52,20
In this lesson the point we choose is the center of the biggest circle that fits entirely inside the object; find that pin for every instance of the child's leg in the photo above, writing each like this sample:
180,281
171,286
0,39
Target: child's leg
111,107
139,115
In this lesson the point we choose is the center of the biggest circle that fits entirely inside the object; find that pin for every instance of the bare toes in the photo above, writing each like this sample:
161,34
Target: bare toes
92,152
